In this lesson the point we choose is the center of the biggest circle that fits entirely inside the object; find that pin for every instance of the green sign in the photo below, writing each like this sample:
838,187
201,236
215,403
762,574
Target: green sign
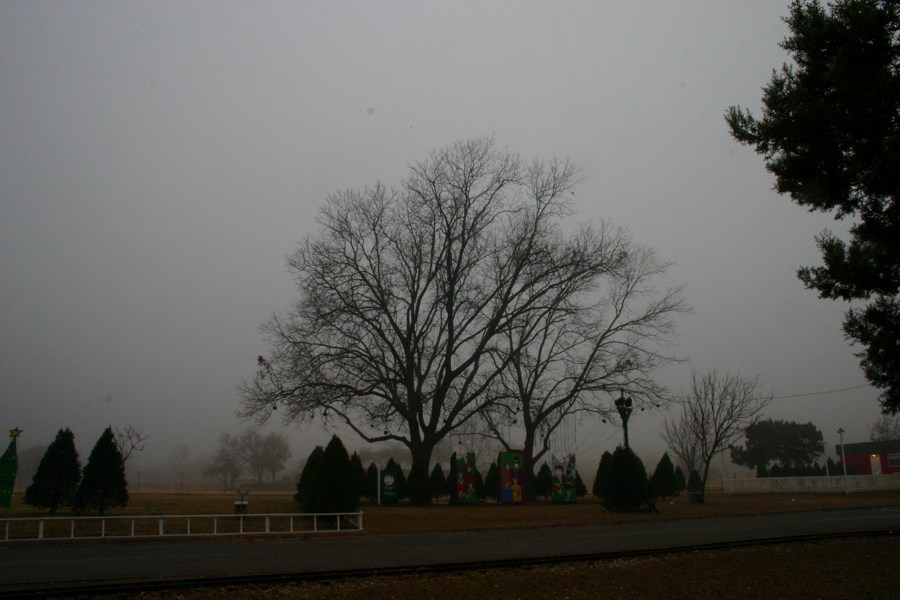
390,486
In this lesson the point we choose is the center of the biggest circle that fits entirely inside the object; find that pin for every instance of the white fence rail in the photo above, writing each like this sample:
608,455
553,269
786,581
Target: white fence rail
157,526
814,485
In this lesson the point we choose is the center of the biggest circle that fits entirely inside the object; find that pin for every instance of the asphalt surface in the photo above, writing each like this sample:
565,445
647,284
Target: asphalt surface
25,563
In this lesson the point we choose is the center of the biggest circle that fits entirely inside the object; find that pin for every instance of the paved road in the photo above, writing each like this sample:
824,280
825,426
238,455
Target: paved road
22,563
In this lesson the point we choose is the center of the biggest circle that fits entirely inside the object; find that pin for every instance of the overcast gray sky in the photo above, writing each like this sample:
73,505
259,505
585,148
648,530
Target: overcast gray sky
160,159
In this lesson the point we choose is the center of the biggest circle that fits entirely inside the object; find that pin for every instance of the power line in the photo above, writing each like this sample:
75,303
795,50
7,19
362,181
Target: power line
846,389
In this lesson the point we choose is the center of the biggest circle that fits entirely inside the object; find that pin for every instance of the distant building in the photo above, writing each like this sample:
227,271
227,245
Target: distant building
872,458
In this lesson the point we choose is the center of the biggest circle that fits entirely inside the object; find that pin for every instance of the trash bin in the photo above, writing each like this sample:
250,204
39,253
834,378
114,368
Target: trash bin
240,507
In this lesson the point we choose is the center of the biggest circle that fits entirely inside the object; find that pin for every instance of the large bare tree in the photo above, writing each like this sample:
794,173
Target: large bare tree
711,416
590,342
408,294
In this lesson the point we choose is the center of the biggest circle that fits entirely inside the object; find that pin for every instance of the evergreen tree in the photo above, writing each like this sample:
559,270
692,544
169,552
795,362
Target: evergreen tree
332,488
680,480
580,488
492,482
358,474
307,475
601,479
788,443
451,481
480,491
103,484
437,481
695,485
663,479
370,487
828,132
543,483
56,480
627,486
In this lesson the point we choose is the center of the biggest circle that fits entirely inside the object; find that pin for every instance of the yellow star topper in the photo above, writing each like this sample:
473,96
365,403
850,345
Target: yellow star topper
14,433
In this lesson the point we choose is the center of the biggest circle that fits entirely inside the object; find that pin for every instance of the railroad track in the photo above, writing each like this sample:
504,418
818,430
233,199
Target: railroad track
99,588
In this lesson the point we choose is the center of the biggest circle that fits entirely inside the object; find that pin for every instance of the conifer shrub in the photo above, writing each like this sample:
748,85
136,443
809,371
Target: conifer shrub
103,483
663,478
492,482
543,483
332,488
601,479
307,475
437,481
56,480
627,486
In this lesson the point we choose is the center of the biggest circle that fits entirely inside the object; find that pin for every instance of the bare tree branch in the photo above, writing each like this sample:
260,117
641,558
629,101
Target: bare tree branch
408,296
129,440
714,415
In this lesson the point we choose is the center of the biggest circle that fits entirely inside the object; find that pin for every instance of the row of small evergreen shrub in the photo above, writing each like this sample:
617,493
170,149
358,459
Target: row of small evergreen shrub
333,481
59,480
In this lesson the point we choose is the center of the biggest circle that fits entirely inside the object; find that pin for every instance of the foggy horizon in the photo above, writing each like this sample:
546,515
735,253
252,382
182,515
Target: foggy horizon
161,159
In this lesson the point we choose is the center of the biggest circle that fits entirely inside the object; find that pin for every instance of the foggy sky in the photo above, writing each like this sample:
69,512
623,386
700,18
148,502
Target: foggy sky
160,159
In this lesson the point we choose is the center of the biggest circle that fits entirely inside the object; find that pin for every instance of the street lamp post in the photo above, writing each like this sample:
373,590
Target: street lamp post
840,432
623,405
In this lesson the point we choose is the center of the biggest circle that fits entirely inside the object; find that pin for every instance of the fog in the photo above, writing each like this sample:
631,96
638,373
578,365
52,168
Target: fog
160,159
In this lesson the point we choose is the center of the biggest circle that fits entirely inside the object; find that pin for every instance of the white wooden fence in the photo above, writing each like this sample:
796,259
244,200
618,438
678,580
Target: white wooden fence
814,485
63,528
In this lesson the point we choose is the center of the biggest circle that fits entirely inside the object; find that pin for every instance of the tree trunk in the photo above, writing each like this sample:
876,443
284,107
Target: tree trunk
417,482
528,466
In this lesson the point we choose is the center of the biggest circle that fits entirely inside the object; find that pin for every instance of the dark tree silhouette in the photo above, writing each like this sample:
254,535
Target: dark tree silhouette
332,488
370,489
308,475
792,445
601,479
437,481
358,473
543,482
627,487
663,479
492,482
103,484
407,295
56,479
828,133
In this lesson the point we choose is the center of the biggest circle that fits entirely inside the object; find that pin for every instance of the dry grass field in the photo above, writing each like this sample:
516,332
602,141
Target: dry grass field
852,569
